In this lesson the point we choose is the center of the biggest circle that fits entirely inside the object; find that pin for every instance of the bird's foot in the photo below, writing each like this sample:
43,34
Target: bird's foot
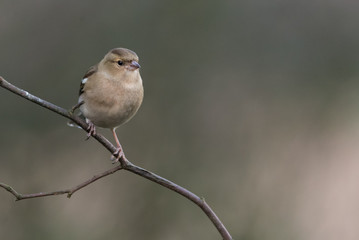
117,155
91,129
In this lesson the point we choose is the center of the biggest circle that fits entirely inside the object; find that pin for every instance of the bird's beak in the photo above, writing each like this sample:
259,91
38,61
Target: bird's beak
133,66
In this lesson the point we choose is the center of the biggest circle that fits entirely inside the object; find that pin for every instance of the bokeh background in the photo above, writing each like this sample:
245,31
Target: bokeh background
253,105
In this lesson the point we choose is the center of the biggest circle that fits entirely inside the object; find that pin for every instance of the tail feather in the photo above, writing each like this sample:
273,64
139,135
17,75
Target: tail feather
71,123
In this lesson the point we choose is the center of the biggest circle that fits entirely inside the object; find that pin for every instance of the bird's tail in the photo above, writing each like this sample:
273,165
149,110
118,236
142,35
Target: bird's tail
71,123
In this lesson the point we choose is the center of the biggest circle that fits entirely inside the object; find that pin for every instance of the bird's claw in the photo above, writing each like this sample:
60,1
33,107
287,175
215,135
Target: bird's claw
91,130
117,155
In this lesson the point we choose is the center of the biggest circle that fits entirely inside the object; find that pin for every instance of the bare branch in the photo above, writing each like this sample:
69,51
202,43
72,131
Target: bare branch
184,192
124,164
69,191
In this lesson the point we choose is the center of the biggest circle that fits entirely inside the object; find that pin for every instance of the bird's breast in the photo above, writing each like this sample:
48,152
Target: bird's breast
112,105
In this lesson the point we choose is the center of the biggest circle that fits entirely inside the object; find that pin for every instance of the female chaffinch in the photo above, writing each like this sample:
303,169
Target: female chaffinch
111,92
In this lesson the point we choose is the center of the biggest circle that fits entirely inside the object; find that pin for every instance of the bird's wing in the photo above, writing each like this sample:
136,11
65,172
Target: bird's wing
89,72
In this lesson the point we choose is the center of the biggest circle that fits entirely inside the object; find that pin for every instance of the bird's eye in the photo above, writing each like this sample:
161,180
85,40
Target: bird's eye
119,62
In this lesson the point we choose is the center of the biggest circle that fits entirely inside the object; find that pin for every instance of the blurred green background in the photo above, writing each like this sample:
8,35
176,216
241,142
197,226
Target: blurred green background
251,104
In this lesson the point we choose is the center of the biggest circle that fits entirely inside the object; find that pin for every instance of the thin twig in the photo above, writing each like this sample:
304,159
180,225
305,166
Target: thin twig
70,191
124,164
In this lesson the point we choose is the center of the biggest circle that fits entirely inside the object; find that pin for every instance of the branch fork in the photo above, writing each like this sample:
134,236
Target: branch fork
123,164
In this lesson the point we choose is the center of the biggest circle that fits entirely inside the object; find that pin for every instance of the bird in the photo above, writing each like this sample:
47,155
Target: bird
111,92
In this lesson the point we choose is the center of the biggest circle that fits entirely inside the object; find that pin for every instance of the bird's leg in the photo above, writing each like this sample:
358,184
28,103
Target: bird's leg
119,151
91,129
76,107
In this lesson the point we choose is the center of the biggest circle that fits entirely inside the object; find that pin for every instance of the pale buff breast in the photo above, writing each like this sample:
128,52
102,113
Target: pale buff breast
112,103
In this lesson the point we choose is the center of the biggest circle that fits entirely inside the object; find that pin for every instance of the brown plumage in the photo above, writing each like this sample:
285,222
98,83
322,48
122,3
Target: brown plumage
111,92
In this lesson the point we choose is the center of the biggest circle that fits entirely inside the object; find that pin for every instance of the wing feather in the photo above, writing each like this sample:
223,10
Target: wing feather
89,72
